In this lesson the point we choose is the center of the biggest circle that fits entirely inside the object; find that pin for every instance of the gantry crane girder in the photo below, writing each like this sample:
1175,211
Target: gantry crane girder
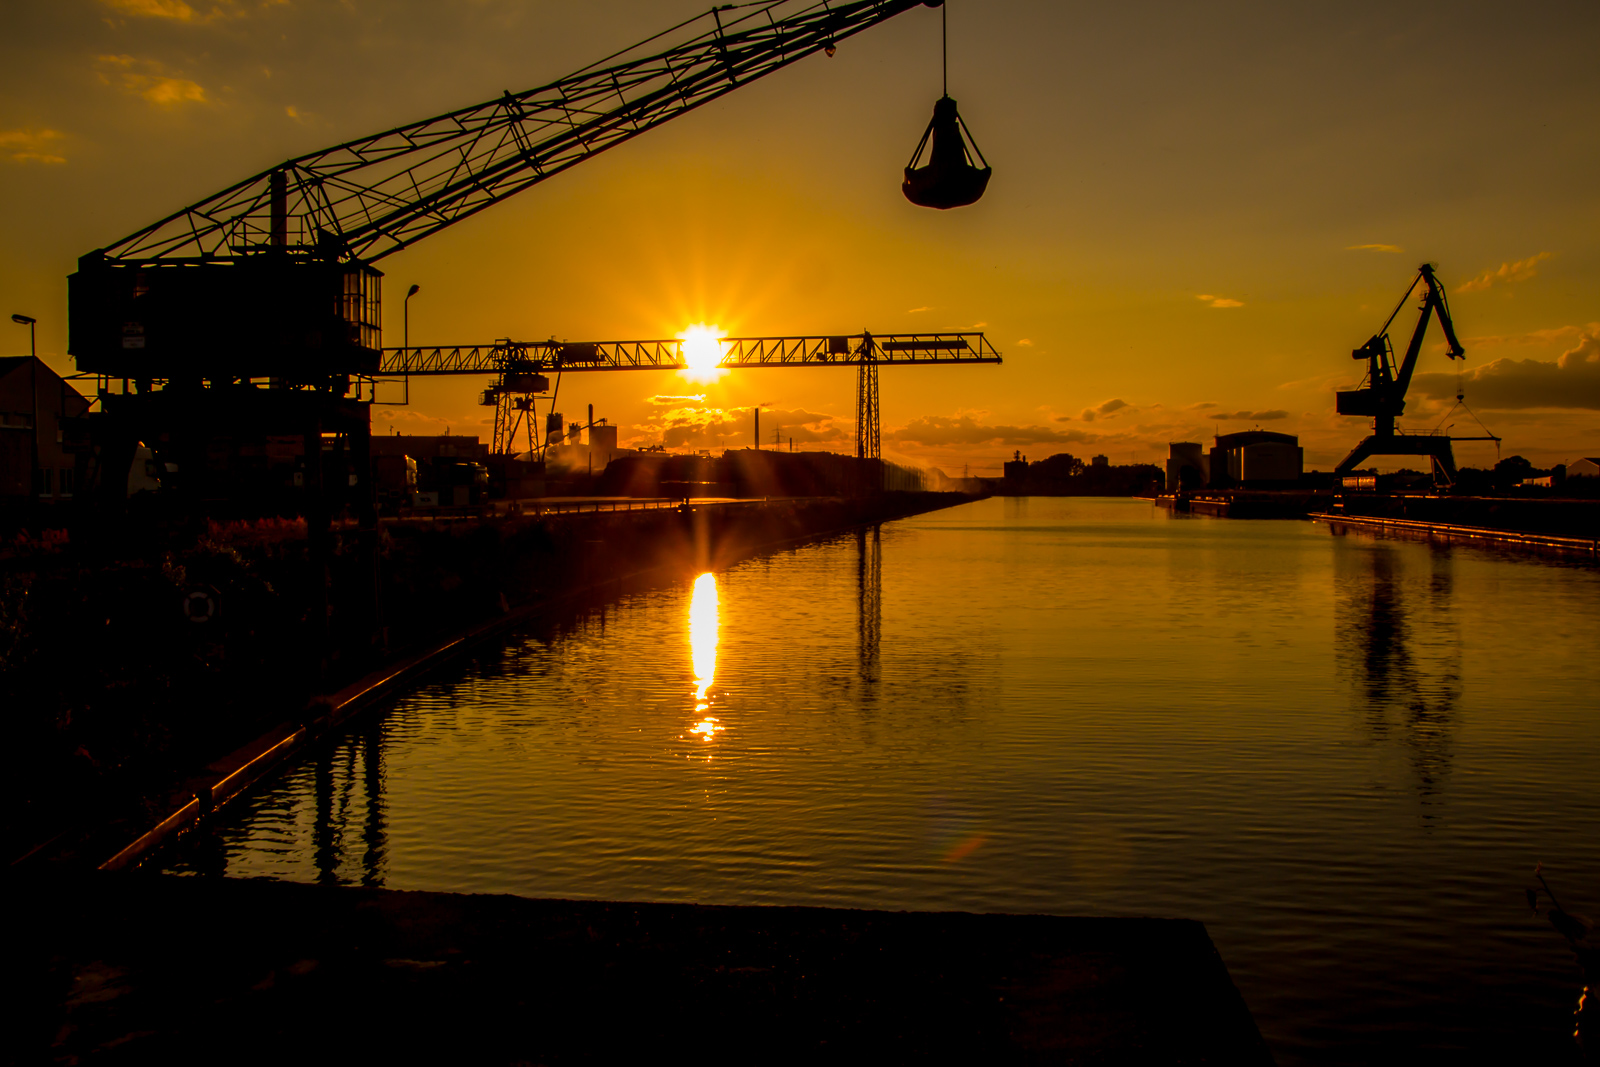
522,367
839,350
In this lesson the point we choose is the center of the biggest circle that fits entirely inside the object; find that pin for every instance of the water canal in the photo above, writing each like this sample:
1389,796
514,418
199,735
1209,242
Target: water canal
1343,753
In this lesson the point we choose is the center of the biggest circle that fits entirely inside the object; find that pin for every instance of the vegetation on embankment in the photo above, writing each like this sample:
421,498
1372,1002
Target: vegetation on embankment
130,657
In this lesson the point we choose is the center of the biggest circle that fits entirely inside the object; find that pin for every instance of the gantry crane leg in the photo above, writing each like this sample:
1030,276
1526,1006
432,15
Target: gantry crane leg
868,442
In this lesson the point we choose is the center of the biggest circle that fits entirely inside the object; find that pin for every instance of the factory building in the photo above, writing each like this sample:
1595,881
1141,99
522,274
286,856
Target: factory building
1186,466
1255,457
1251,458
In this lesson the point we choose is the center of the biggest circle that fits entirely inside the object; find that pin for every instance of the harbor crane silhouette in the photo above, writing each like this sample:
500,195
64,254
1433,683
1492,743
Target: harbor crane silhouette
1382,394
258,309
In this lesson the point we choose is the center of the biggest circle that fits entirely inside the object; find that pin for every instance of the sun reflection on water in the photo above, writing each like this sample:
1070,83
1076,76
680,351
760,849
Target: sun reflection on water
704,625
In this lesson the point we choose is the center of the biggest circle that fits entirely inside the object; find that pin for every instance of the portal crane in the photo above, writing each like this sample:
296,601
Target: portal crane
522,368
1382,394
271,281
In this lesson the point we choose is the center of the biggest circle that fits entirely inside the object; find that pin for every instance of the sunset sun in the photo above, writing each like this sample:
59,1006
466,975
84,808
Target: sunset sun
702,351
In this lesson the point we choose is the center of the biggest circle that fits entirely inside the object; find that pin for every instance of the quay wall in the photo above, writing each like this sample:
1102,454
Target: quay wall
1556,517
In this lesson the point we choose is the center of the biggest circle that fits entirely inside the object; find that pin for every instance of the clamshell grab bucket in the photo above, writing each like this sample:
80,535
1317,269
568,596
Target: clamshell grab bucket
950,178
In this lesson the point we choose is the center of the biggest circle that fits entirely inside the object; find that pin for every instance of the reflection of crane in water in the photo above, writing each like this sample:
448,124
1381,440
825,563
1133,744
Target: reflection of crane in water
334,794
869,602
1407,676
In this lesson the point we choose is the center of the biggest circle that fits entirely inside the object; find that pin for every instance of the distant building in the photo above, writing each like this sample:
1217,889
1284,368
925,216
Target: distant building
1185,456
1587,467
1255,457
603,445
37,408
1016,469
418,447
1099,461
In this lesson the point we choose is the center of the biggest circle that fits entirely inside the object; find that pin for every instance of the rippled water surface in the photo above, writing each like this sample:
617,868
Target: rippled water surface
1343,753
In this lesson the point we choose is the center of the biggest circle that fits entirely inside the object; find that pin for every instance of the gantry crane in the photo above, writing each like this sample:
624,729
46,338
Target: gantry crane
522,368
1382,394
255,310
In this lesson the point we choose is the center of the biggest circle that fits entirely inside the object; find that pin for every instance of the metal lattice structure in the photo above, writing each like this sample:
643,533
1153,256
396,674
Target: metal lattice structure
869,441
848,350
520,367
369,198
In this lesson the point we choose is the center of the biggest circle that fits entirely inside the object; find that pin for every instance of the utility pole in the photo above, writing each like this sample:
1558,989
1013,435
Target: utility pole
33,393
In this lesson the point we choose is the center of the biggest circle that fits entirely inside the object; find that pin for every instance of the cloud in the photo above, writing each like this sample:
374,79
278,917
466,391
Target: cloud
805,427
1025,342
1089,414
1252,416
149,79
1572,381
660,399
937,430
1373,248
179,11
31,146
1520,271
711,428
1532,337
153,9
913,311
1219,301
1200,406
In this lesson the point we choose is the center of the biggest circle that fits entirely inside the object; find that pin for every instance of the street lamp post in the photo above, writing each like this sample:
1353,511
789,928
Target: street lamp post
28,321
406,312
33,390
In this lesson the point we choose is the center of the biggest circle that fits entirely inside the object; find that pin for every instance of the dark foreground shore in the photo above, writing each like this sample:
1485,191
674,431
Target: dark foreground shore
148,969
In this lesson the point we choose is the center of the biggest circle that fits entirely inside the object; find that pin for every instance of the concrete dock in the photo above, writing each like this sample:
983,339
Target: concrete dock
143,968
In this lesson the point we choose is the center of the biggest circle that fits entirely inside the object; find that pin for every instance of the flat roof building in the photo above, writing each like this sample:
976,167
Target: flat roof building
36,407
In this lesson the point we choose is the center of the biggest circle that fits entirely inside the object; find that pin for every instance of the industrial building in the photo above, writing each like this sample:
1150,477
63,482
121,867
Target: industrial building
39,432
1250,458
1255,457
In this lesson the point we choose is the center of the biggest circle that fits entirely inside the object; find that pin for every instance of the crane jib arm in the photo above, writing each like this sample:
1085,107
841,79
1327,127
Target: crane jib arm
368,198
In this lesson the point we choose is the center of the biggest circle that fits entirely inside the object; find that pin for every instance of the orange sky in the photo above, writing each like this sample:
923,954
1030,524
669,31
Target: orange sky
1196,212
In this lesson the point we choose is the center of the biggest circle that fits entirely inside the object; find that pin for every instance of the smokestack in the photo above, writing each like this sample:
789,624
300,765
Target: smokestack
758,427
590,427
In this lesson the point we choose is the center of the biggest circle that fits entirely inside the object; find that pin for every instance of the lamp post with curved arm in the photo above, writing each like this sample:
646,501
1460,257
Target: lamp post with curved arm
406,312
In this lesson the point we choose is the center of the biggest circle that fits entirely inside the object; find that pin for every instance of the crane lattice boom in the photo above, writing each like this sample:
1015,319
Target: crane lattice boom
368,198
